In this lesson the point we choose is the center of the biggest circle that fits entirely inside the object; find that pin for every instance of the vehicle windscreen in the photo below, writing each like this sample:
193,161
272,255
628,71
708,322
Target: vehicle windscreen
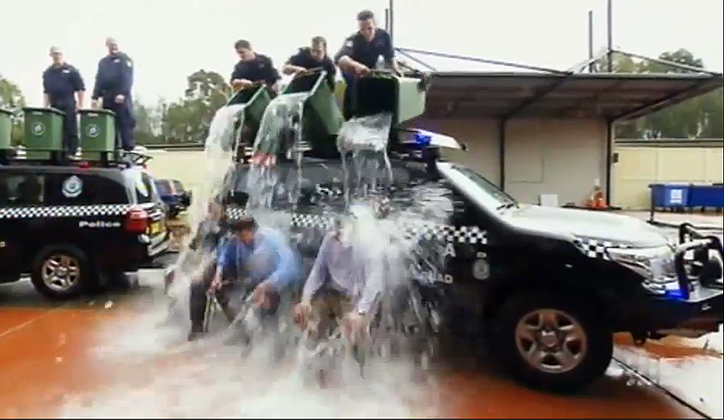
476,186
163,187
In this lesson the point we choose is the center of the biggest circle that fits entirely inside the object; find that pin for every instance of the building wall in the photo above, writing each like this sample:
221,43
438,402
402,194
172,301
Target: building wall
542,156
638,167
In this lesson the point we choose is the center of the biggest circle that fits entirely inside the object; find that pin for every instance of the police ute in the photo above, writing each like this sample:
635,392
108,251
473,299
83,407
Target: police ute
75,223
546,287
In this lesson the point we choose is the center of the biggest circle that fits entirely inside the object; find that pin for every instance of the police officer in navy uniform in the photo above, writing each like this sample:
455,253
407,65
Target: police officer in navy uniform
114,81
312,57
62,83
252,68
361,51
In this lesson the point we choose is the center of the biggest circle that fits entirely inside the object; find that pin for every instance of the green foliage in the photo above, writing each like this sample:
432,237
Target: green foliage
12,98
696,118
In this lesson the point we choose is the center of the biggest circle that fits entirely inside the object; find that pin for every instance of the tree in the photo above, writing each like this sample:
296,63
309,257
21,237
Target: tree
188,120
697,117
11,98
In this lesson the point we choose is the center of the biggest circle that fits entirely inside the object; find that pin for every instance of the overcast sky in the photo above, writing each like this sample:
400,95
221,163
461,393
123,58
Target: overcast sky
169,39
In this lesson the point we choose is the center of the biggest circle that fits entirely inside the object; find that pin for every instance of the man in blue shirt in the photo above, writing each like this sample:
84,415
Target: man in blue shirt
114,81
255,260
62,83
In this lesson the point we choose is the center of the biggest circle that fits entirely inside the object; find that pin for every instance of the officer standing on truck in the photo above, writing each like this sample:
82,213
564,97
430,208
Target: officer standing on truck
252,68
360,52
114,81
308,58
63,89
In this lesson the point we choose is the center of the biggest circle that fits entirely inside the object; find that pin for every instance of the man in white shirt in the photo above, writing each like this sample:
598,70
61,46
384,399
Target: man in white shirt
343,283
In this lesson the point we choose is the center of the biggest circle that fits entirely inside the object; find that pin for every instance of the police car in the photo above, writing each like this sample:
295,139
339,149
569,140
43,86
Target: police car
547,287
74,227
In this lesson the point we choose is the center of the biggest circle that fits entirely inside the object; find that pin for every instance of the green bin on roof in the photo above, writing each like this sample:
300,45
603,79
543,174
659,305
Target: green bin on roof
382,91
43,132
97,133
6,129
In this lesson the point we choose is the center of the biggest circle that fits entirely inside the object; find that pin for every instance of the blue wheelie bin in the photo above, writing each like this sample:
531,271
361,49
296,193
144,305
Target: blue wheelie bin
669,196
706,195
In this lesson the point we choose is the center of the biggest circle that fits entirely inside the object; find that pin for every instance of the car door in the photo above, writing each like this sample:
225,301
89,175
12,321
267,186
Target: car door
21,223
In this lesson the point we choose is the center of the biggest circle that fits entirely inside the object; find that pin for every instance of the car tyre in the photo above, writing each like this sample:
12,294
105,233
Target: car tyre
62,272
551,342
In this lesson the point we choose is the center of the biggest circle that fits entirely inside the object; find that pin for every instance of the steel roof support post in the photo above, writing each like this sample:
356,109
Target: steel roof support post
609,159
502,128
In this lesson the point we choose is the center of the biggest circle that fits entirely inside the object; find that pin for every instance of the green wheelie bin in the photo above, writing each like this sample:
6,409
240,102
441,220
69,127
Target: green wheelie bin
97,134
255,100
6,133
321,116
381,91
43,133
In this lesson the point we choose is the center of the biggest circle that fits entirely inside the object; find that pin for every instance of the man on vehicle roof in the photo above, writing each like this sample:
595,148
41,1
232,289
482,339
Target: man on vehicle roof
62,84
312,57
114,81
360,52
252,67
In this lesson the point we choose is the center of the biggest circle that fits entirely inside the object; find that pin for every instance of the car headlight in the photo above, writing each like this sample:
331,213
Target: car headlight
655,265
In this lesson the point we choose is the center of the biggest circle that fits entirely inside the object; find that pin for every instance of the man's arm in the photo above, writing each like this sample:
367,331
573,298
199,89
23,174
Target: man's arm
236,74
97,88
319,271
373,287
389,54
286,270
331,70
126,76
79,87
46,90
272,74
293,65
226,259
343,58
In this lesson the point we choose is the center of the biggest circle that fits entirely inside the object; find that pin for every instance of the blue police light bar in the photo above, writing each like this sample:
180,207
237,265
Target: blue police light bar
422,139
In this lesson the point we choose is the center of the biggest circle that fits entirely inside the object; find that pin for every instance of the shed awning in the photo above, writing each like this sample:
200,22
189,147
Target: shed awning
577,95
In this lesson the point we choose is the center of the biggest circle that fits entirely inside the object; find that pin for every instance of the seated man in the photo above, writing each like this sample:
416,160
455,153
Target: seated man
310,58
256,260
338,278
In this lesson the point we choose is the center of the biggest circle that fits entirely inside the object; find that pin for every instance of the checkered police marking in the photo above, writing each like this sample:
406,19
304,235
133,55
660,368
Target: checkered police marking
596,248
458,235
64,211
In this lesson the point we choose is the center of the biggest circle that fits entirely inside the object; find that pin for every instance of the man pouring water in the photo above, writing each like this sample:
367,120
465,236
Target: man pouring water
361,51
252,67
314,56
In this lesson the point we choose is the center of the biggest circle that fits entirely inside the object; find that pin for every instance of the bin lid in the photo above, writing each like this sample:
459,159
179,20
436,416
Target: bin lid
6,111
90,112
47,110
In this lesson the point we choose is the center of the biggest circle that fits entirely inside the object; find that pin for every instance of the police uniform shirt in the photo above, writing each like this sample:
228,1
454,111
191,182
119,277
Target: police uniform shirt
61,83
114,76
304,59
260,69
357,48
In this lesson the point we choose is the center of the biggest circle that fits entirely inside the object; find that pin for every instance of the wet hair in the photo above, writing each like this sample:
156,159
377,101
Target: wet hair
242,224
242,43
319,40
365,15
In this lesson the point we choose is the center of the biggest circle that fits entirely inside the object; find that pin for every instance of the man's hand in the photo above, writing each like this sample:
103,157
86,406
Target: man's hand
360,69
120,99
354,323
297,69
241,83
301,314
261,295
96,103
215,283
